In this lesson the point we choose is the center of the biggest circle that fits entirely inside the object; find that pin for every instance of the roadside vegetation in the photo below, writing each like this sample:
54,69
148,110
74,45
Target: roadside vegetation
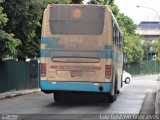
151,47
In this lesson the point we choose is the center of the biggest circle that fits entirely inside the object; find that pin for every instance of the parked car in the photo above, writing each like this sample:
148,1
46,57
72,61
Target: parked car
127,78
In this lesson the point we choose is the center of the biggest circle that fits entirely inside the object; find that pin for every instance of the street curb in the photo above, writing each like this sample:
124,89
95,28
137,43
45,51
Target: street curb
148,106
157,107
18,93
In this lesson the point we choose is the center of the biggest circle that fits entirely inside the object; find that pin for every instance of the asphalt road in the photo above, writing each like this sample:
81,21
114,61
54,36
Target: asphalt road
35,105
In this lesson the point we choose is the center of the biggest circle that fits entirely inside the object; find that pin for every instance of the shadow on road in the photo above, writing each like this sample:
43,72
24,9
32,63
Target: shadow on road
82,100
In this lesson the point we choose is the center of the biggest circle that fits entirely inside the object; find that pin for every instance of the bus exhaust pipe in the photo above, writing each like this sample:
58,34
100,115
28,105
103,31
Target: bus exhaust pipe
100,88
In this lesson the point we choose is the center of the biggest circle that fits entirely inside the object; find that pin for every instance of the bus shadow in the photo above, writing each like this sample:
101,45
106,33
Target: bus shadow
82,101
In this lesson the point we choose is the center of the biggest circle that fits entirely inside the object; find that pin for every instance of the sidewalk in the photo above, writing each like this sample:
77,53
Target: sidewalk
157,102
11,94
151,105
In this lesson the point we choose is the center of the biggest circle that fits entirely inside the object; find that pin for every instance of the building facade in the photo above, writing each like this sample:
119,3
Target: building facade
149,30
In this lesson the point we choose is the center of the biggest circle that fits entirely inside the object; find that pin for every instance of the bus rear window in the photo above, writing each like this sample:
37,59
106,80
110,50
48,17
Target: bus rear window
72,20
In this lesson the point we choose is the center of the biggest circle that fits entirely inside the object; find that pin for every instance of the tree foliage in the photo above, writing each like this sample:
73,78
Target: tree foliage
44,3
24,21
133,48
115,9
146,48
8,43
156,46
149,47
101,2
125,22
76,1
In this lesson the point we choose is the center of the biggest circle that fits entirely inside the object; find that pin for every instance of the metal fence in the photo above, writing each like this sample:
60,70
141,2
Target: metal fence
18,75
145,67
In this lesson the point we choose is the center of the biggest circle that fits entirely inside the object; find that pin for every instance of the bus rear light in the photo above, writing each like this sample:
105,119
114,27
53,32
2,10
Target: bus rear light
108,67
43,70
108,71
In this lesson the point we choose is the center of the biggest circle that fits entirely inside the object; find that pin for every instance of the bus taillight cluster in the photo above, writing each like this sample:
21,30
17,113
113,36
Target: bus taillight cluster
108,71
43,70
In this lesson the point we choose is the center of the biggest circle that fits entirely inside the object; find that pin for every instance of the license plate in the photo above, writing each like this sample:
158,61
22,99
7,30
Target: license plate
76,73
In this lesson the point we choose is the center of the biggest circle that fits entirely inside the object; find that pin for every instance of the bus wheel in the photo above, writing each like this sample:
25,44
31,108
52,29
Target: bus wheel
46,91
57,97
118,91
113,97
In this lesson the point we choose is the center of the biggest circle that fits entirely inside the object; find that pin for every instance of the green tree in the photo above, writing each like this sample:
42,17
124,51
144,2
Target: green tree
44,3
151,47
101,2
125,22
76,1
147,45
115,9
133,48
8,43
25,18
156,48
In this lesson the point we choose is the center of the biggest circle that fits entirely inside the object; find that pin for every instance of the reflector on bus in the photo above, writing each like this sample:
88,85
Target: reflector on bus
76,13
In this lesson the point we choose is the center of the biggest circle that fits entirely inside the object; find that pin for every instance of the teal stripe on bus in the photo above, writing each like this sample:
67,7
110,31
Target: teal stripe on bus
51,42
54,43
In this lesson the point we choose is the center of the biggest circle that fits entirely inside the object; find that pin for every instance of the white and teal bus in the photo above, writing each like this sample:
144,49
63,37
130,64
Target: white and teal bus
81,50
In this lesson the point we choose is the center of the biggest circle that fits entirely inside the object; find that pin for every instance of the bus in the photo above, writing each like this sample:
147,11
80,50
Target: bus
81,51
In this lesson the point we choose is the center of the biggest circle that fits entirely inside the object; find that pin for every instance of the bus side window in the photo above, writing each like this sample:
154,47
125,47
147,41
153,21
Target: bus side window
113,35
119,40
116,36
113,26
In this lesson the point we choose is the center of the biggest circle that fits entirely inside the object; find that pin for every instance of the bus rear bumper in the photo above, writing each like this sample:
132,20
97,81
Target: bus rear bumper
75,86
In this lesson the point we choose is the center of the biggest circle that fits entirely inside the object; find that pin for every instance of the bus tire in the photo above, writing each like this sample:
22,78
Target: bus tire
118,91
46,91
114,97
57,97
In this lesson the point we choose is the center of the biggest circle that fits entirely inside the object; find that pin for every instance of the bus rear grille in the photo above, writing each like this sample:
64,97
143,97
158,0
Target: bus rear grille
75,60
